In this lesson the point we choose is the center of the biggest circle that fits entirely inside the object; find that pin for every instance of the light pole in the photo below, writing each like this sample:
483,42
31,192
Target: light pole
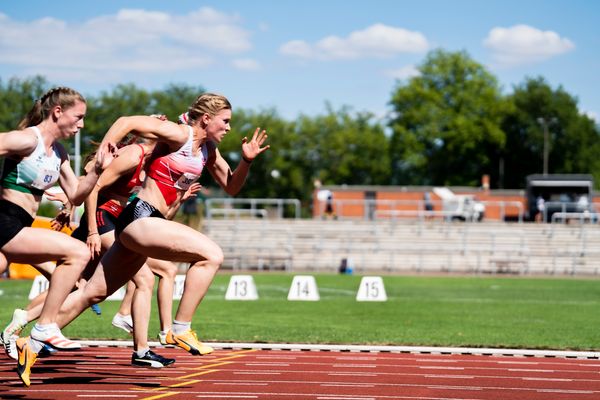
542,121
77,154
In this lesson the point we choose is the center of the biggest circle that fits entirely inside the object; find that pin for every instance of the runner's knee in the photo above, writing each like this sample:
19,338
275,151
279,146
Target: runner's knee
144,280
215,258
78,256
95,294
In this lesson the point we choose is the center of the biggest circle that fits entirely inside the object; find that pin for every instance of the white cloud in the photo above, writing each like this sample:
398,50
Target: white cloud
406,72
523,44
297,48
246,64
131,40
378,40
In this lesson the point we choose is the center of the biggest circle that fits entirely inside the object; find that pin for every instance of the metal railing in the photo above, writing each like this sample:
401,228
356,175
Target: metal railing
411,208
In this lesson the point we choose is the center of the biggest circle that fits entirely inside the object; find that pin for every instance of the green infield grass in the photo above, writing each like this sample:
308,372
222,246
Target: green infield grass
472,311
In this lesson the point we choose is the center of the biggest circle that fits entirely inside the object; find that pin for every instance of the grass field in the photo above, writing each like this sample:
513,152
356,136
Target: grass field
534,313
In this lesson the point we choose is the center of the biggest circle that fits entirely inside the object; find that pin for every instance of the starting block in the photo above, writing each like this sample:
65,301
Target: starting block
303,288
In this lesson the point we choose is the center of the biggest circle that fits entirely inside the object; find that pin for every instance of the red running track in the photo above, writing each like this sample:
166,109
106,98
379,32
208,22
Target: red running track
106,373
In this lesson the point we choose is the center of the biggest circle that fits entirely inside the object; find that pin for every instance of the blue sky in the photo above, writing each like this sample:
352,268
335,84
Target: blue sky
296,56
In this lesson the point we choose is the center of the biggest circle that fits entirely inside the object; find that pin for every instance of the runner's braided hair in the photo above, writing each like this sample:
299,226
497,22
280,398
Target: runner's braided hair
59,96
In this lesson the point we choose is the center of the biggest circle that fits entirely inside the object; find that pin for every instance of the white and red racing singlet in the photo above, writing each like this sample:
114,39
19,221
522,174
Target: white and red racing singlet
176,171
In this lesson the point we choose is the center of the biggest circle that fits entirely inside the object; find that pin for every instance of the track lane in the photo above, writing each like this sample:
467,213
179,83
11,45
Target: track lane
104,372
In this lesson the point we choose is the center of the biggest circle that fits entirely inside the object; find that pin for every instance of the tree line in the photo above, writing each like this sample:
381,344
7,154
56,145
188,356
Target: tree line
447,126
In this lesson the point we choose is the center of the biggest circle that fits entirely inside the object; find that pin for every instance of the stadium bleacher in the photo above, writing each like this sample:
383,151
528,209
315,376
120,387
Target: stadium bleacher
407,246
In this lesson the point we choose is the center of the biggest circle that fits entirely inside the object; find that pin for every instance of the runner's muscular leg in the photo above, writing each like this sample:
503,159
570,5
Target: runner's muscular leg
35,245
141,306
178,242
166,271
116,267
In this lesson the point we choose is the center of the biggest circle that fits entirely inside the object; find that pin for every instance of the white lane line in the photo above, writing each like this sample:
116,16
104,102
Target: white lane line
354,385
547,379
565,391
443,387
532,370
354,366
367,374
450,376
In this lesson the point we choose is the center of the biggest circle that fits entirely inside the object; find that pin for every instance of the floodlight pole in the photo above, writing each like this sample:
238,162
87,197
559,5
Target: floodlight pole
542,121
77,156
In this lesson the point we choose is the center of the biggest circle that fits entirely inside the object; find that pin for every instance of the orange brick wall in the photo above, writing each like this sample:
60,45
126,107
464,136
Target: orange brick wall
414,199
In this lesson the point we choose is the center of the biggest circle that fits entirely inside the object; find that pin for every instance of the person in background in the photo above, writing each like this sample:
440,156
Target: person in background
540,205
428,205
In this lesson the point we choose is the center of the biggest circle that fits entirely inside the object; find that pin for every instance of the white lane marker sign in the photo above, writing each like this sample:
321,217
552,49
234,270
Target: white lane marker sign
304,288
371,289
241,287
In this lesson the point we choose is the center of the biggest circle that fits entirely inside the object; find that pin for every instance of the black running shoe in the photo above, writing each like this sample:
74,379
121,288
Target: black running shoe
151,359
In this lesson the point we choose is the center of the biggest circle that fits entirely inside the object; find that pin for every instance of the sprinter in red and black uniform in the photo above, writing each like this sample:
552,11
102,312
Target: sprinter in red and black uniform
144,228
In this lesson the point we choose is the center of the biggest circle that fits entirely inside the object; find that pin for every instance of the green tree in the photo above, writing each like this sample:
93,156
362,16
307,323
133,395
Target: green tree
446,122
16,99
573,143
343,148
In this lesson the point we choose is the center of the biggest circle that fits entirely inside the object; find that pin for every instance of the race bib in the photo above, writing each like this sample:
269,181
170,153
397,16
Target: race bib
45,179
185,180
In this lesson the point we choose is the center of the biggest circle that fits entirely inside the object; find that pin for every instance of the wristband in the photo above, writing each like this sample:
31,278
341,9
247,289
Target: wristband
247,161
92,233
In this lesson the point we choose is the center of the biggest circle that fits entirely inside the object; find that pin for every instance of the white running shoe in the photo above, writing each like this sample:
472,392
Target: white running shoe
123,322
10,346
54,338
162,338
18,322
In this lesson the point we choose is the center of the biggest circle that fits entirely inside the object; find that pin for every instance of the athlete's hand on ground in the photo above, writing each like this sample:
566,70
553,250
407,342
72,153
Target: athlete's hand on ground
252,148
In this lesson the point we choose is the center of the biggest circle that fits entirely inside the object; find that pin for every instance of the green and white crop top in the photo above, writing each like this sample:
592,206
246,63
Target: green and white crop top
34,173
